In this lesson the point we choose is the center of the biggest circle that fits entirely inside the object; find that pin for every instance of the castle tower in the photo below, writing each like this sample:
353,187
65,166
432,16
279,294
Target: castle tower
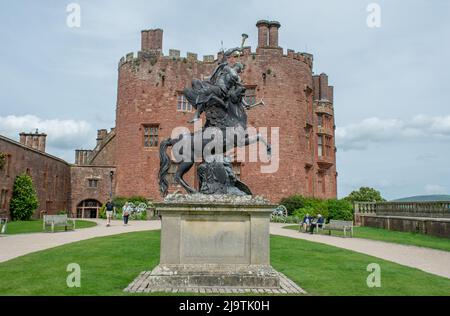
34,140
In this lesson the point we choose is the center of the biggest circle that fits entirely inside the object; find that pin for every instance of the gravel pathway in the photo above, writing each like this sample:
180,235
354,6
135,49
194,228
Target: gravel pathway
12,246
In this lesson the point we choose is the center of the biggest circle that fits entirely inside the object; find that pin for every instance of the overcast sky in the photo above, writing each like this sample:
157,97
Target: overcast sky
392,91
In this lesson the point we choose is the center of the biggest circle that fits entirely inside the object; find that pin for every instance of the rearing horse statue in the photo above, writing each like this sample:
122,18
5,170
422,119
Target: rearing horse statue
222,99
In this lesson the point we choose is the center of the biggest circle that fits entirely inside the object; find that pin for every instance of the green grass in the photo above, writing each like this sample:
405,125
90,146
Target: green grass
109,264
404,238
35,226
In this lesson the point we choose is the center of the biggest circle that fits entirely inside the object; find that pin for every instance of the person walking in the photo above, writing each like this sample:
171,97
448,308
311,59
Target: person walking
109,212
126,213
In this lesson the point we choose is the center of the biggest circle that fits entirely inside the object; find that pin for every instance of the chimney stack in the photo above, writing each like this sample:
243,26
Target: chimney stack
263,33
101,134
273,33
34,140
151,40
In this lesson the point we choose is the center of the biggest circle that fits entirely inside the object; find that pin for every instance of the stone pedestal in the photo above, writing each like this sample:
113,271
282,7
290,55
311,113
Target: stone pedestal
215,241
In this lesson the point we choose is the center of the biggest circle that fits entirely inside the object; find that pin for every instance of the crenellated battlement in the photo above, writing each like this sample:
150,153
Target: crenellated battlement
175,55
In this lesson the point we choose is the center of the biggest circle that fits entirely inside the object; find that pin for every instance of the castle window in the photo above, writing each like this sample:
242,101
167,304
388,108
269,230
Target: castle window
183,104
308,134
320,120
93,183
320,150
151,136
328,152
250,95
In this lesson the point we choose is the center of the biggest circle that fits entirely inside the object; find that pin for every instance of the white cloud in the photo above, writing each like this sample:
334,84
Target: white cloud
435,189
376,130
61,134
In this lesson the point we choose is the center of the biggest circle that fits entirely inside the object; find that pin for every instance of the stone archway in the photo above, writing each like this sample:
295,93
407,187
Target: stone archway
88,209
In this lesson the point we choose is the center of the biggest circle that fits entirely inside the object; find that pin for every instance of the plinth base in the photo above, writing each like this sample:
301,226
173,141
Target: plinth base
214,242
207,275
191,280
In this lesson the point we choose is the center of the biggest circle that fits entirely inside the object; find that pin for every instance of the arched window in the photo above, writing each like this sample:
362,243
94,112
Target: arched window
88,209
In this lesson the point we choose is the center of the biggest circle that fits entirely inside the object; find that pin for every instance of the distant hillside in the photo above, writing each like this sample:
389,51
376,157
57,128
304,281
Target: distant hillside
424,198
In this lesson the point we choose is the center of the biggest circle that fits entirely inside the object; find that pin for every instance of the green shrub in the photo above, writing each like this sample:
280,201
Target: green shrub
293,203
142,216
102,212
282,219
62,213
340,210
24,201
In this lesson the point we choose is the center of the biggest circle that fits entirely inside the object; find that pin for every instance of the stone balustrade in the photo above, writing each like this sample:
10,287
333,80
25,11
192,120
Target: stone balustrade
432,218
408,209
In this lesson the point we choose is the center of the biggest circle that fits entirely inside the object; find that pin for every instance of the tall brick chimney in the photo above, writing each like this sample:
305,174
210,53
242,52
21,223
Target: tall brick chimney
151,40
34,140
273,33
263,33
101,134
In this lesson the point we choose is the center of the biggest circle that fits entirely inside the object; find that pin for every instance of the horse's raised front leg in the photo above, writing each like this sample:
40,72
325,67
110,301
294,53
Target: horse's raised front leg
183,168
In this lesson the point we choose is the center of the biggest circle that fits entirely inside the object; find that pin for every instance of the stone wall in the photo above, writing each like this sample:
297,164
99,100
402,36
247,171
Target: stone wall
83,187
429,226
51,177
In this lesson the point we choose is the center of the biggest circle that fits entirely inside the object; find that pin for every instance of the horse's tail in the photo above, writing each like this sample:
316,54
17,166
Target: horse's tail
164,165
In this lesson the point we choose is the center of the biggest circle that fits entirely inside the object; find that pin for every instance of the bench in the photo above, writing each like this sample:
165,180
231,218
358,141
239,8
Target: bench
345,226
308,226
3,225
58,220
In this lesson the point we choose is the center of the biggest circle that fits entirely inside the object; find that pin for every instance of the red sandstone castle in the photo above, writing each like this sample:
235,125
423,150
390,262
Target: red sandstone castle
150,105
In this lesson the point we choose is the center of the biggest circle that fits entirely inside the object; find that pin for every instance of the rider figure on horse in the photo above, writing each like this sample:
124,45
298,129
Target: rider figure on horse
224,79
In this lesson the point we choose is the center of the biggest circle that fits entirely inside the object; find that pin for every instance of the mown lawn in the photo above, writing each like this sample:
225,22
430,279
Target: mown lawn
404,238
35,226
109,264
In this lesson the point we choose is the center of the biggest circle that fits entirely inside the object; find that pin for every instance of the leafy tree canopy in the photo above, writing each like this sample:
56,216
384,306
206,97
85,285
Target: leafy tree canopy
365,194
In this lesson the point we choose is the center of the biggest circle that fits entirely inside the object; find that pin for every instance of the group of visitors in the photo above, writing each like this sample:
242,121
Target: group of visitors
309,223
110,208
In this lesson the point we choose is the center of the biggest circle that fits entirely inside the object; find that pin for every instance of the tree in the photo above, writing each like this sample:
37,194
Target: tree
365,194
24,201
